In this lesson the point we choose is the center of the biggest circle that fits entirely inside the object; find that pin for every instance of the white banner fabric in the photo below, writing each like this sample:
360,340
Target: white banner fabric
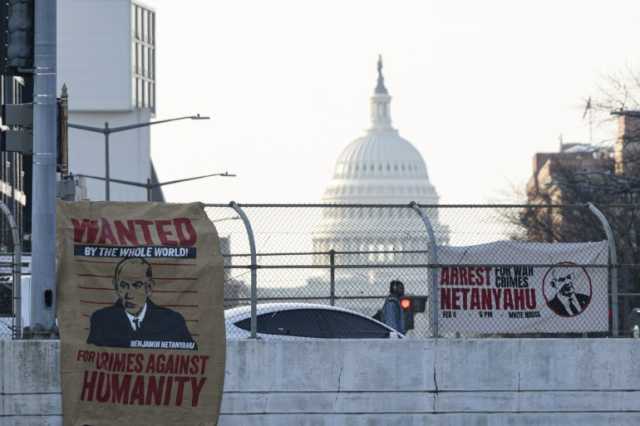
568,292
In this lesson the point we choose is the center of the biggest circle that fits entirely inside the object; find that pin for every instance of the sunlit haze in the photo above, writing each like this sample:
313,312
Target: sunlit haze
477,87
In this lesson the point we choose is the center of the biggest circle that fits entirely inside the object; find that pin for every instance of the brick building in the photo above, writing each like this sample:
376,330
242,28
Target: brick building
608,177
622,160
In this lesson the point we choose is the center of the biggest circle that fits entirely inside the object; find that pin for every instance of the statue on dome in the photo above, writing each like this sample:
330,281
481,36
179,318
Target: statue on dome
380,88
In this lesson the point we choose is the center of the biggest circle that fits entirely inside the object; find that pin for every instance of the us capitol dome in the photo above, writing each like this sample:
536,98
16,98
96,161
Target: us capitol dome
380,167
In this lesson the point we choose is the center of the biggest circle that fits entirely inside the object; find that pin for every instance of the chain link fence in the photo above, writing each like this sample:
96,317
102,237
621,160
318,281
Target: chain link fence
10,276
11,303
629,300
346,256
7,319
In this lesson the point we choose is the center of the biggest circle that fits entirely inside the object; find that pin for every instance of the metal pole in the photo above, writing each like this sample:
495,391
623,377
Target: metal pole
17,271
433,259
148,189
254,267
107,191
613,264
44,165
332,280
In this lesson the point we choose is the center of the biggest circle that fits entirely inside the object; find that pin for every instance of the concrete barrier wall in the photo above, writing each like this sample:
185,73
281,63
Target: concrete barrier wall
444,382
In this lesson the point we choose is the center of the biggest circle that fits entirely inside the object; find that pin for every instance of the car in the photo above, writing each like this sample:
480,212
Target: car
296,321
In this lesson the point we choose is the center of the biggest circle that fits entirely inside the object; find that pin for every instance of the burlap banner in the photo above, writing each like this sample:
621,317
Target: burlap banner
140,309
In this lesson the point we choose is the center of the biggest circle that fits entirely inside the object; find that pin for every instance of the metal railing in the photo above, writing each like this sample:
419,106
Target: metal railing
345,255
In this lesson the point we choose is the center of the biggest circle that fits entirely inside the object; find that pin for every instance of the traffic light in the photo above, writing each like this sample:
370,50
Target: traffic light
6,296
17,128
410,305
406,304
17,23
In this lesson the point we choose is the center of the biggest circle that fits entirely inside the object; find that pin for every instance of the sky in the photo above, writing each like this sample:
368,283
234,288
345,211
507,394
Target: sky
478,87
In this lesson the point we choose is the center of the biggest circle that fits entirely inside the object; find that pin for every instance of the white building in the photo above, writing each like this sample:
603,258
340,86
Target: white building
106,57
378,168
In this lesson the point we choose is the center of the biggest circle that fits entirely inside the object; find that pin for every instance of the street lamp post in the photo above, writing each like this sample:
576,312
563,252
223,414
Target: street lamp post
149,186
106,131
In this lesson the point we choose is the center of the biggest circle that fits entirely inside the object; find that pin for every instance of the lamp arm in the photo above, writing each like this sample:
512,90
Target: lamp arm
151,123
87,128
171,182
122,181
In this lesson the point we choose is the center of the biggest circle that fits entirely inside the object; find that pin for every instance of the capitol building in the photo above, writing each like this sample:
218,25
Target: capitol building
378,168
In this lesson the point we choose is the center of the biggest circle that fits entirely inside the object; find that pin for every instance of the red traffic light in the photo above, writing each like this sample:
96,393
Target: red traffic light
405,303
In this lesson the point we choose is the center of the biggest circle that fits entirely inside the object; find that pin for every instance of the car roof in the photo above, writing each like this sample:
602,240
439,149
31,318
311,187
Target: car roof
263,308
234,314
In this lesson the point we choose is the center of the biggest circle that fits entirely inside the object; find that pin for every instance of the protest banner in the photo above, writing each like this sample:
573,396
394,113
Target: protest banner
140,311
498,288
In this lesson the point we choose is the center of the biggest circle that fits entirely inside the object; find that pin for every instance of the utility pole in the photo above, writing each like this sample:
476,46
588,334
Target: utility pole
44,167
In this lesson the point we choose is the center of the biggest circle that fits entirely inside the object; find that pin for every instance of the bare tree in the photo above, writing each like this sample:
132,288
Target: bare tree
618,91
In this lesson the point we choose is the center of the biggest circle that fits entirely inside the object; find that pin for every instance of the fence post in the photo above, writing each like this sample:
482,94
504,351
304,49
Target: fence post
17,272
433,259
254,267
332,277
613,265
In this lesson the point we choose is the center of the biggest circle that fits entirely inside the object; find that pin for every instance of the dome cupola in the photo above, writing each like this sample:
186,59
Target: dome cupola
381,166
378,168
